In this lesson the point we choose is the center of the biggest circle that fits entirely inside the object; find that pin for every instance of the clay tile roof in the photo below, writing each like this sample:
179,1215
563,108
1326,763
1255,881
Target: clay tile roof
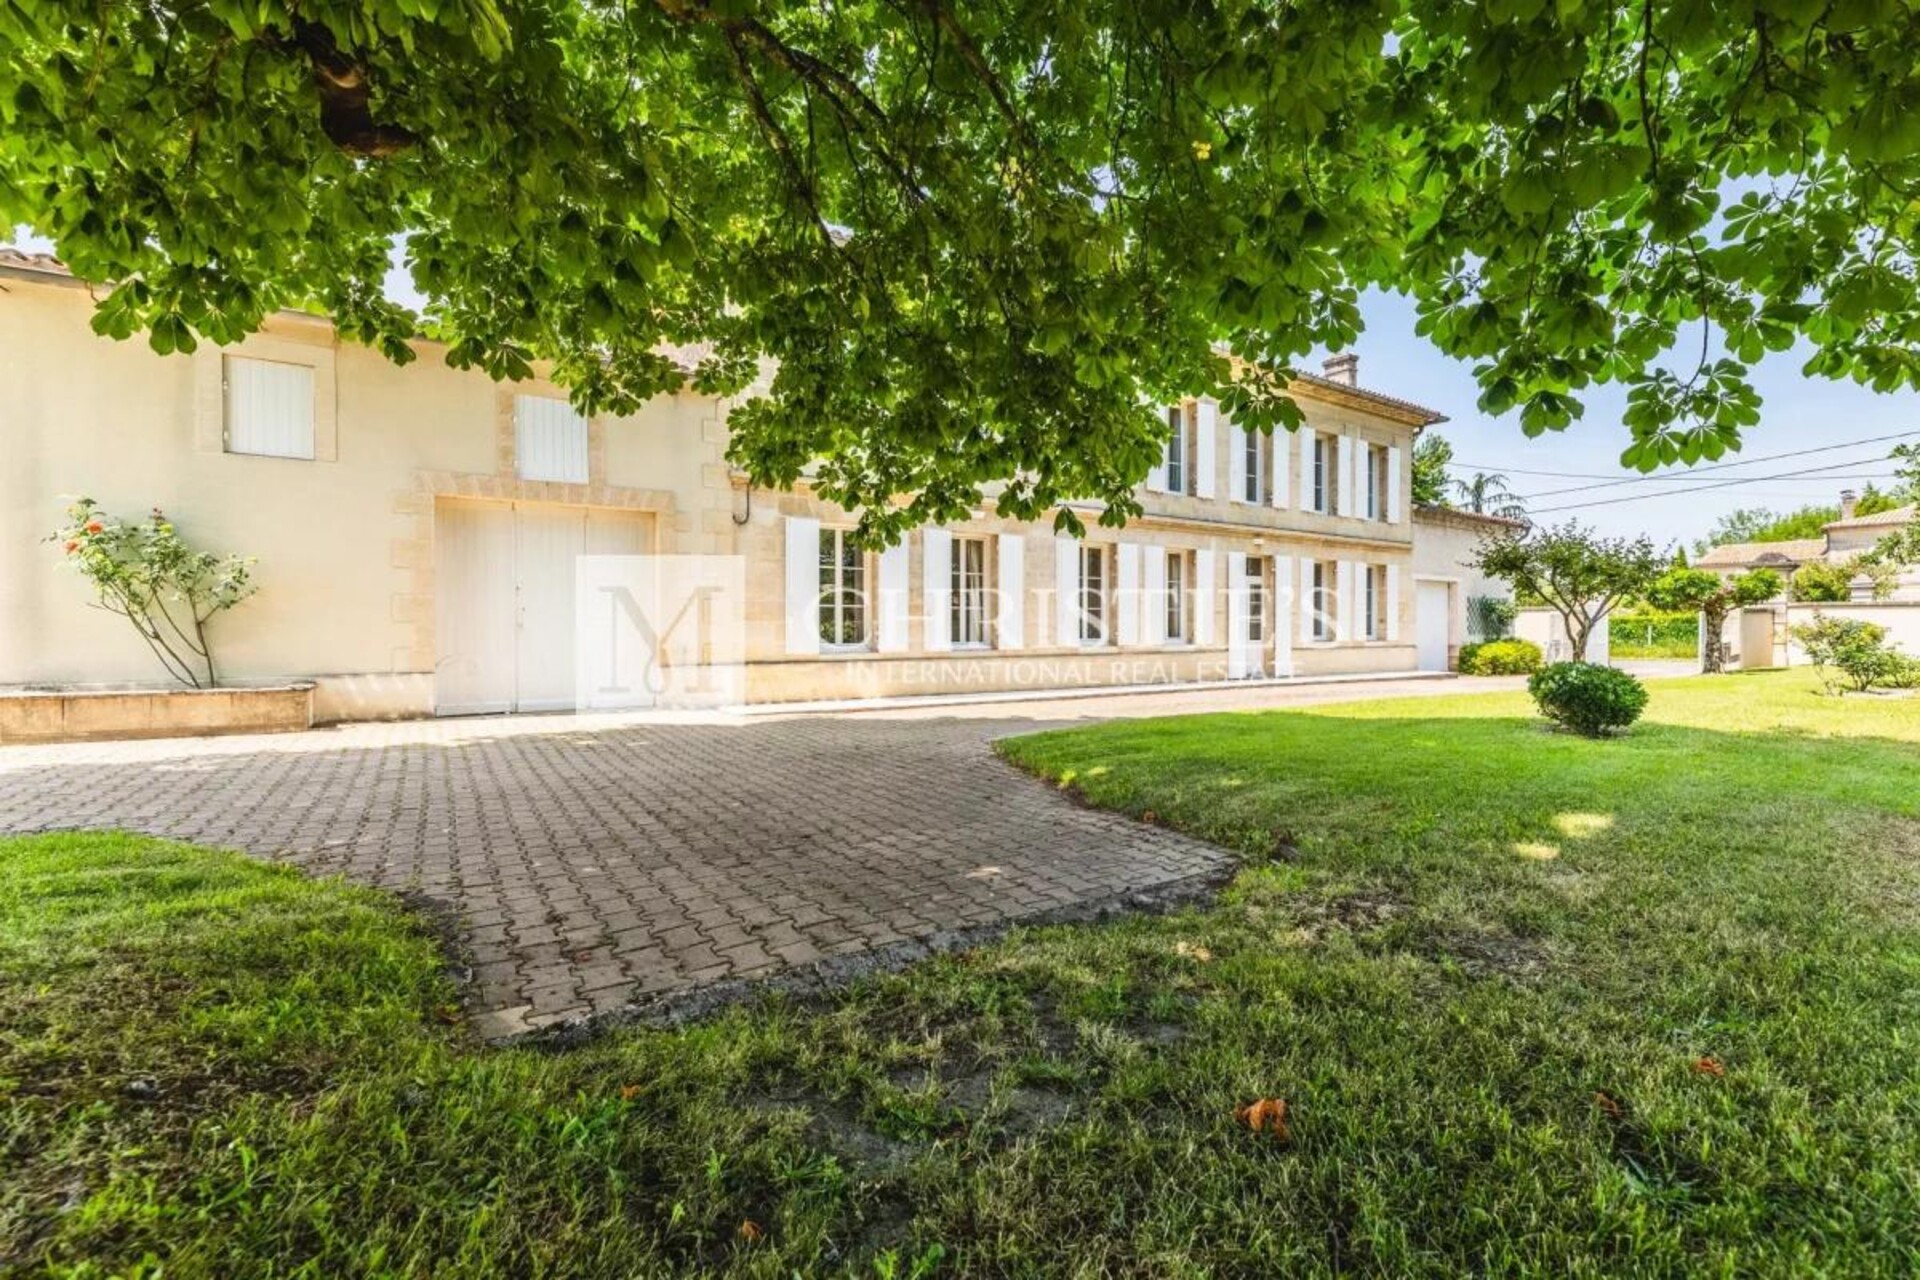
1740,555
21,260
1881,519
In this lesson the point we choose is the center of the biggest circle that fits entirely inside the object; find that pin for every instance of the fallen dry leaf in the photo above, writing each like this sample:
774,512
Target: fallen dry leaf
1149,817
1193,951
628,1092
1710,1066
1608,1105
1265,1115
750,1230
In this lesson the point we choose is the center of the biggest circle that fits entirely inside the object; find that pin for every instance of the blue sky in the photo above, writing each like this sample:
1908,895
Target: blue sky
1799,414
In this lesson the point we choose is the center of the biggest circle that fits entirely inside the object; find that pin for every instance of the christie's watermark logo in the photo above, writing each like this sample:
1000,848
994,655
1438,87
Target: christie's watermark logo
659,631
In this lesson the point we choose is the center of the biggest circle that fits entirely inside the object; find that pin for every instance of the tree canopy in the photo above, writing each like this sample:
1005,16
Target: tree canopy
1713,597
1575,572
975,241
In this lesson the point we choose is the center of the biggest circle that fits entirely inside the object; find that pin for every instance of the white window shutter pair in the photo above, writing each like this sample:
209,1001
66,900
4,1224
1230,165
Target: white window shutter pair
1066,587
1306,468
803,585
269,408
937,588
549,440
1126,595
1153,600
895,603
1206,432
1204,596
1010,620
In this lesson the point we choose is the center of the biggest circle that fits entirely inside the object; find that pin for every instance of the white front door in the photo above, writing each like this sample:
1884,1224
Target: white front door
505,607
1435,608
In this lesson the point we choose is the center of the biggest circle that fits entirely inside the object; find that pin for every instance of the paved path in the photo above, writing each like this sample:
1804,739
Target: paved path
601,861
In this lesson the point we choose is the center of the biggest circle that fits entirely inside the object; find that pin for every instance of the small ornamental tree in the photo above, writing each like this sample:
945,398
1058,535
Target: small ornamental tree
168,591
1576,573
1713,597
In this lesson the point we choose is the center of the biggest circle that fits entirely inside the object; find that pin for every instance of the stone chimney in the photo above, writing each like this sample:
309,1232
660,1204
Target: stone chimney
1343,368
1847,501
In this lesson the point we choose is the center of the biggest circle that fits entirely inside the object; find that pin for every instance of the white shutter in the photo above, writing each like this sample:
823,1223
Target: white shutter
1157,478
937,588
269,408
1153,601
803,585
1237,464
549,440
1343,614
1285,605
1307,602
1126,594
1393,602
1344,495
896,610
1206,433
1010,619
1206,596
1066,586
1394,512
1236,615
1306,468
1280,480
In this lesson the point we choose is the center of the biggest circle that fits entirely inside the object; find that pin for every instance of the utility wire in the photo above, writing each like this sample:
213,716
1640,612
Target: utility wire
1691,472
1698,488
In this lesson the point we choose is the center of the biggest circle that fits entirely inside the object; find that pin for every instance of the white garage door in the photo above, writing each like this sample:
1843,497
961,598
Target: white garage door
1435,617
504,594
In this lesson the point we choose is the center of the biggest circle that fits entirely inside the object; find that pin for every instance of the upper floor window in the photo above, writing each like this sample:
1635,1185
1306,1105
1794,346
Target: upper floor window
967,607
269,408
1176,601
1093,595
1321,599
1323,455
1176,455
1376,488
1254,465
549,440
843,590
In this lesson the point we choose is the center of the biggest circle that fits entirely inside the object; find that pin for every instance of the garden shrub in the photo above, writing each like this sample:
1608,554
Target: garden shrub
1852,654
1588,698
1500,658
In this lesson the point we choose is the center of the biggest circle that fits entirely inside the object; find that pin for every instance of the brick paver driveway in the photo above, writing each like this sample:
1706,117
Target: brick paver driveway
600,862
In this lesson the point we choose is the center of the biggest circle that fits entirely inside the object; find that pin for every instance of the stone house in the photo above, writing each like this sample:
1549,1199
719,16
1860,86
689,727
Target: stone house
416,530
1839,541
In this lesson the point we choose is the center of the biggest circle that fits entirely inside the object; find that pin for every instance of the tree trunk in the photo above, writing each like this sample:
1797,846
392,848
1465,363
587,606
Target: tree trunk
1579,631
1713,647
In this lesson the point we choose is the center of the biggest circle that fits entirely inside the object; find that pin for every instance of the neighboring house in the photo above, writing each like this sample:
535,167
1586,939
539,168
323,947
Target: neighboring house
1444,539
416,530
1840,540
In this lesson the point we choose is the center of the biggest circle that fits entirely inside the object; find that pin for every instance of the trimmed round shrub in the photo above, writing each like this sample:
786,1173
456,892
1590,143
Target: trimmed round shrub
1500,658
1587,697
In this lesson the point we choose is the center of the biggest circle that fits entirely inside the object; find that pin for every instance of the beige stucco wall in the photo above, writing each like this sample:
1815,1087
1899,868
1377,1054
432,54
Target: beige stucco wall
345,542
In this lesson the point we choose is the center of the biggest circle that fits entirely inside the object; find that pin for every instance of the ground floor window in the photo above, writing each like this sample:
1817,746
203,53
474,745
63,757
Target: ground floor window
1093,595
1256,574
1373,592
1321,599
843,590
1176,601
968,607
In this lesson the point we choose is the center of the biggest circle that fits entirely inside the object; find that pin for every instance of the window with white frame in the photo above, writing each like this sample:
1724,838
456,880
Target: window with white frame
1093,595
269,408
1176,454
549,440
1373,596
1321,598
843,590
967,606
1256,575
1176,603
1323,455
1253,443
1376,482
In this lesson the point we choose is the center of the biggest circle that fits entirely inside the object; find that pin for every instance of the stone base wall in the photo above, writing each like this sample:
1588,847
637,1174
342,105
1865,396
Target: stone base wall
84,715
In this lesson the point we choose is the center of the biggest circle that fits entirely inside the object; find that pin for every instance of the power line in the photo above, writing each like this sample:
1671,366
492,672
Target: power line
1698,488
1612,481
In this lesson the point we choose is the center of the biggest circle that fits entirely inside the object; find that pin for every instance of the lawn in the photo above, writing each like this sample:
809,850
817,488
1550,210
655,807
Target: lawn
1537,1005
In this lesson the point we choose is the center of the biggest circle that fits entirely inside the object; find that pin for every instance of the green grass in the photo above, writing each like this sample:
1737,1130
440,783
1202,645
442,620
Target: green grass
1480,961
